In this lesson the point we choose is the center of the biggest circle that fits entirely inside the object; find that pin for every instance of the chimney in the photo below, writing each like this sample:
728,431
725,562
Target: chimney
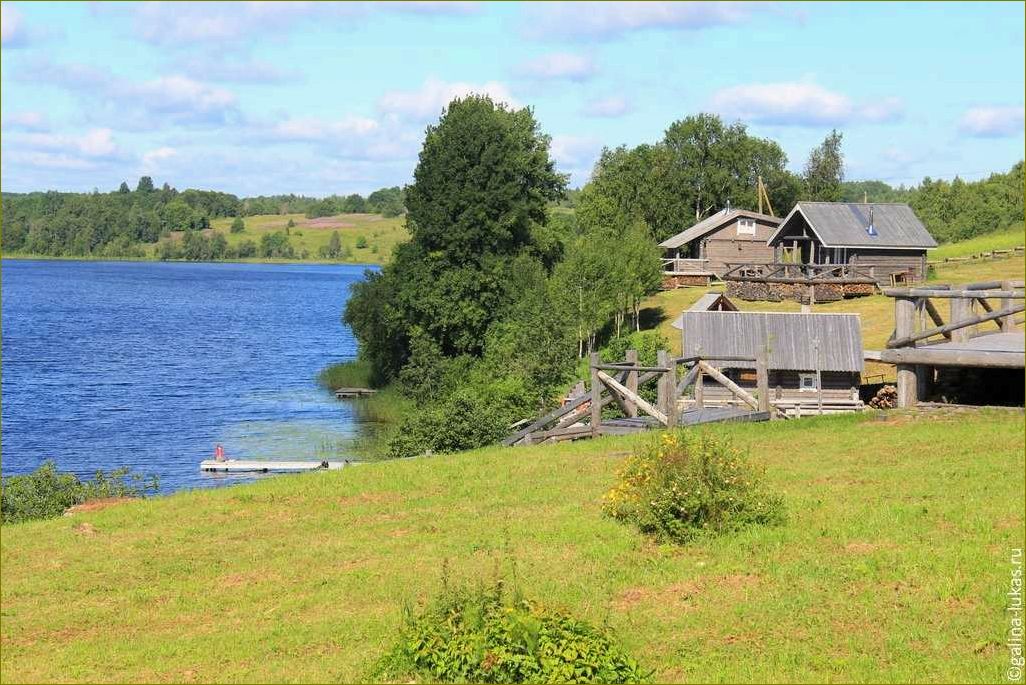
871,228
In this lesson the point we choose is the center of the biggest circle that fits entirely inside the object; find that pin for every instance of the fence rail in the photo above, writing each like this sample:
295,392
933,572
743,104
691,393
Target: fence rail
786,272
685,266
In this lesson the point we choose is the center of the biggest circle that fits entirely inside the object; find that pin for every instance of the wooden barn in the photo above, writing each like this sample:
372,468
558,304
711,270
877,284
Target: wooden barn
710,302
815,361
696,255
885,241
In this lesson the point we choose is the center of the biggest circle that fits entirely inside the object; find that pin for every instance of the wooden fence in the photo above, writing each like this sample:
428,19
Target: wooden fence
981,256
922,339
620,383
785,272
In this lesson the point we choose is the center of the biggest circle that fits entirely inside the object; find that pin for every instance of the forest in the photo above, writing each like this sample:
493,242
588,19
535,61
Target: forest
119,223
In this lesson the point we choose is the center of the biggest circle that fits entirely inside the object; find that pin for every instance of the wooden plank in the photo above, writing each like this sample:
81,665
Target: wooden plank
904,323
622,366
730,385
950,294
644,406
762,378
267,466
632,383
688,379
669,381
955,325
934,315
934,357
596,396
1007,323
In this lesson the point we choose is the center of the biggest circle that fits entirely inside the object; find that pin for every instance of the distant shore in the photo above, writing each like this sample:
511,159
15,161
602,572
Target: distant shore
251,260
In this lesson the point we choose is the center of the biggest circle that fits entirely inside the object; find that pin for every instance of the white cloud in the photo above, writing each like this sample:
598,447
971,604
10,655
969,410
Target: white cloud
799,104
608,107
560,65
314,129
13,33
216,66
993,122
426,103
97,143
598,20
430,7
151,159
174,99
26,121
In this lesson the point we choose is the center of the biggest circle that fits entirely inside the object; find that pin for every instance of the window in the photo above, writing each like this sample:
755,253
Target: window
746,226
807,382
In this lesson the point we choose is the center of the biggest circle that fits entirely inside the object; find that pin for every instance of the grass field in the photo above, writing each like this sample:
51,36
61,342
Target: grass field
893,566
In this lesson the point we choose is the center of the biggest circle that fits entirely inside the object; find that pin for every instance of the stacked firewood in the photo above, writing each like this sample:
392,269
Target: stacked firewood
885,398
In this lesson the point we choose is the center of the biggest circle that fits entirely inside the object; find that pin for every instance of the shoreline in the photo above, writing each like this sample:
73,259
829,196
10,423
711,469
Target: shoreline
148,260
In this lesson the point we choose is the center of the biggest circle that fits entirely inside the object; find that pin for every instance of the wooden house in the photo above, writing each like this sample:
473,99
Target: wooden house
885,241
815,361
710,302
702,252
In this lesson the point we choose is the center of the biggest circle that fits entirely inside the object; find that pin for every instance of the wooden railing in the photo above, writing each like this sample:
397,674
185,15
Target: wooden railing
620,383
784,272
684,266
909,344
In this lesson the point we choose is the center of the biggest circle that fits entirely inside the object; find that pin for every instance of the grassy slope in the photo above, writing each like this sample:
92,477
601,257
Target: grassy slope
877,311
893,567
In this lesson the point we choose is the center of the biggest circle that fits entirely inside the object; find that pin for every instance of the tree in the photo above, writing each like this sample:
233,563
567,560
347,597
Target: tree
824,171
145,185
238,225
478,196
124,188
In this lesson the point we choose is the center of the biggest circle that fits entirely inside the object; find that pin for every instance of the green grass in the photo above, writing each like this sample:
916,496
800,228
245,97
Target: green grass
892,567
1003,240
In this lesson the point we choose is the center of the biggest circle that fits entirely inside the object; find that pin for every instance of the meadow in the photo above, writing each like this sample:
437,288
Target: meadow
893,565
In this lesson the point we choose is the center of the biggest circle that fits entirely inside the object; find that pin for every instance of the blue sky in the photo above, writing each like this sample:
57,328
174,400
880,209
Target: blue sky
321,98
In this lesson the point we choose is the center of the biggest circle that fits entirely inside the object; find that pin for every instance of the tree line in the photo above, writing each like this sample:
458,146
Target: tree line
122,222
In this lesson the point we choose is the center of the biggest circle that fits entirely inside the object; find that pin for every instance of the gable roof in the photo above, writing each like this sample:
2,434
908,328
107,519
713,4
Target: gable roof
790,339
711,223
844,224
710,302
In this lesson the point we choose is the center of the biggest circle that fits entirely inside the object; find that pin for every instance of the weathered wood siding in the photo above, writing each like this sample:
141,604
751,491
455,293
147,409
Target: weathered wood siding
727,244
887,262
837,385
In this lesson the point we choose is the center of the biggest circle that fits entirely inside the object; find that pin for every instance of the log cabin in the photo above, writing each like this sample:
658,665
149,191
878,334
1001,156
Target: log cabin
815,361
886,241
696,255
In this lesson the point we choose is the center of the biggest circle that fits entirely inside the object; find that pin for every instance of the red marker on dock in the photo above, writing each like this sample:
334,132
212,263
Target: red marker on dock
218,453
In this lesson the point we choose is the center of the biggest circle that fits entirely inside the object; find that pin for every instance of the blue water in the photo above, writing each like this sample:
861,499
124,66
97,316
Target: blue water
149,365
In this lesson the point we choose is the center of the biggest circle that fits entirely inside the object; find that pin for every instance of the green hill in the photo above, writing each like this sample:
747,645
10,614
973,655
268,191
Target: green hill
893,566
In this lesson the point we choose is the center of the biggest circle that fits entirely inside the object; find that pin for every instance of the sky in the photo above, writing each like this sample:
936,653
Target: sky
319,98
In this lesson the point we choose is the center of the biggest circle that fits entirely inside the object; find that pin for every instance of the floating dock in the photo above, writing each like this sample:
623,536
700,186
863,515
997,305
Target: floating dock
348,393
266,466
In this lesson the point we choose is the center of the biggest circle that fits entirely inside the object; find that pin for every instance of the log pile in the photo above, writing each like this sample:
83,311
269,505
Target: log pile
885,398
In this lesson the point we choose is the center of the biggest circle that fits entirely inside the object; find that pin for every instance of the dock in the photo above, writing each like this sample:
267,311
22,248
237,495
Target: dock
350,393
267,466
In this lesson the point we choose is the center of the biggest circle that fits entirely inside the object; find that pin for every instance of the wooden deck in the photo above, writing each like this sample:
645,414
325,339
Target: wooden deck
262,466
993,350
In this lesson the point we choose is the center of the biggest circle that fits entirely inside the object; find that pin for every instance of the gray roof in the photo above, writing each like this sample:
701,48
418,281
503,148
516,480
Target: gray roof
710,302
711,223
844,224
789,337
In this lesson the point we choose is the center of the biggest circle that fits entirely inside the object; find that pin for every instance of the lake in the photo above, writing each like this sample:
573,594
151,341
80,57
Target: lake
149,365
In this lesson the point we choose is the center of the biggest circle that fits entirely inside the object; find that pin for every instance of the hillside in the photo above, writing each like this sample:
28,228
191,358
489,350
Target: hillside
893,566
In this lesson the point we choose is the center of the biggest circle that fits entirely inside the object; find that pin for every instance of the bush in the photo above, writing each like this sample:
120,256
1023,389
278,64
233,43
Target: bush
681,486
361,242
47,493
352,374
238,225
487,635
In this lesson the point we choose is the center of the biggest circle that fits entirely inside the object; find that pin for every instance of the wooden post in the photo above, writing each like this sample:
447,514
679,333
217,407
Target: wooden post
669,381
596,397
632,383
699,388
1007,323
961,309
762,377
819,378
662,392
904,324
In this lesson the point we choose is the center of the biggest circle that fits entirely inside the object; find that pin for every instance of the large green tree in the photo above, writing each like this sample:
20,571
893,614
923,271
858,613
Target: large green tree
477,201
